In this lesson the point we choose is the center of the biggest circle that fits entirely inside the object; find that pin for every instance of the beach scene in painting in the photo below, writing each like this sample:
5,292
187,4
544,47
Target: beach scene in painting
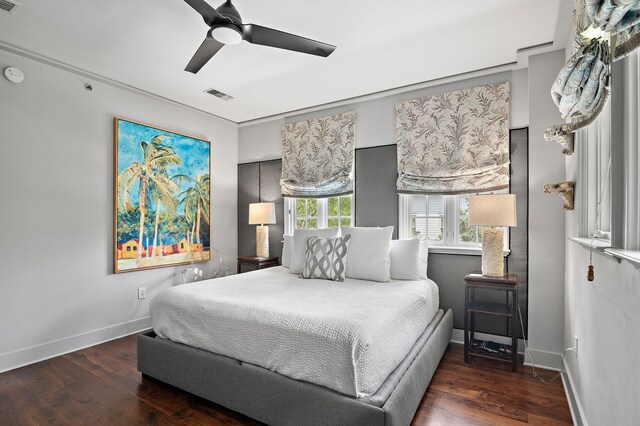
162,198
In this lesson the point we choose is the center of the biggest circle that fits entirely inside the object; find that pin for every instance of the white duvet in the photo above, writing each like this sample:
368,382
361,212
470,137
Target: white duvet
345,336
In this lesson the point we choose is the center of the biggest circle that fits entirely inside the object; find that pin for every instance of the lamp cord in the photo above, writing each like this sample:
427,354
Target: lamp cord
528,352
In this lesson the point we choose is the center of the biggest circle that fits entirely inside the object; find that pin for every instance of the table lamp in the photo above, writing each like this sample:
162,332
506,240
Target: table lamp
492,212
262,214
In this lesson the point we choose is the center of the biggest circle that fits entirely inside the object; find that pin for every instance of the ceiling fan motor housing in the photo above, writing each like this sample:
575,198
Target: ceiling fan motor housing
228,10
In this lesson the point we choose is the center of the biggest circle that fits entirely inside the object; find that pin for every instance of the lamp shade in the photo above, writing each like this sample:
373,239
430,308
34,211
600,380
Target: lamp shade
262,213
492,210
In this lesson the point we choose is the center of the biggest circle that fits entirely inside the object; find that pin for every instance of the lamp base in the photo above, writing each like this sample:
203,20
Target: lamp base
492,255
262,241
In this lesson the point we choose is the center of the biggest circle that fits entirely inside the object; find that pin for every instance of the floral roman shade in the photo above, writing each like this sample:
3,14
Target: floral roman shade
317,156
456,142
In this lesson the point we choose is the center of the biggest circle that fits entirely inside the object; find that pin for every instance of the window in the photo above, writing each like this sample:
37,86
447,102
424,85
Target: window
128,248
317,212
442,219
306,213
595,196
339,211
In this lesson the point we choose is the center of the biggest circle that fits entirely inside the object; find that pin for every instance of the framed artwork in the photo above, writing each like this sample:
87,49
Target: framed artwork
161,197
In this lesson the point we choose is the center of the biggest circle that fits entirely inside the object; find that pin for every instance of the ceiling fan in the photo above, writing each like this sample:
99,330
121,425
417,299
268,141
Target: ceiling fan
226,27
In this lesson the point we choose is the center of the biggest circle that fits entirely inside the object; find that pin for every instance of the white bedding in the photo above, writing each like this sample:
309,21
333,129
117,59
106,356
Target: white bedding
347,336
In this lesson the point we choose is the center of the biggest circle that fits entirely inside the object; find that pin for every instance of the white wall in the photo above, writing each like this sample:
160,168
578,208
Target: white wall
605,316
546,216
57,291
375,122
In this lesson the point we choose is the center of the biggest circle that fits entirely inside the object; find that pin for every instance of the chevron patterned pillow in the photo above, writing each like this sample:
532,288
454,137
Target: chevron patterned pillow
326,258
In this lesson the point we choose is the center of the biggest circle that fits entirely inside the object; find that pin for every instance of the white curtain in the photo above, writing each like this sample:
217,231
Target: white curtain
453,143
317,157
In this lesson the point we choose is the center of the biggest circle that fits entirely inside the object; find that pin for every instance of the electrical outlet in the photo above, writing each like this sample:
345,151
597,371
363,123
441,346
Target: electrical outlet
575,344
142,293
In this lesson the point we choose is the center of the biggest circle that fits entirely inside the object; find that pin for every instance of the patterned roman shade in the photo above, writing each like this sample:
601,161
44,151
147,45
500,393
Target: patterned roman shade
317,156
454,143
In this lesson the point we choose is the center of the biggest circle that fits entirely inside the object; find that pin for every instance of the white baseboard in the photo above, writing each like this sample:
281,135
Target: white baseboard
44,351
543,359
577,411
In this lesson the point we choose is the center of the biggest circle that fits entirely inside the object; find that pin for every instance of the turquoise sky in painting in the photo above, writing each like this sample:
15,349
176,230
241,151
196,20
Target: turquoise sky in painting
194,153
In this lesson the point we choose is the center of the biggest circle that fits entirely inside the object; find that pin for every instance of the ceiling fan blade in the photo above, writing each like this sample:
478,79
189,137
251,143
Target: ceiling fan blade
205,52
207,11
257,34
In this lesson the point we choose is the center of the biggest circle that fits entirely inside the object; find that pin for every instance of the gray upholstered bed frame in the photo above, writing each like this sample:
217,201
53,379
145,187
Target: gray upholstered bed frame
278,400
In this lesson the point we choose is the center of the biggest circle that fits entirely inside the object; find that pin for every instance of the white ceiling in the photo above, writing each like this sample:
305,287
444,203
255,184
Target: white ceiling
381,45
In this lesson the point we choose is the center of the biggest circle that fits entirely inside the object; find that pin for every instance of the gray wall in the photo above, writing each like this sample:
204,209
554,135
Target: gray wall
57,291
376,204
375,119
546,216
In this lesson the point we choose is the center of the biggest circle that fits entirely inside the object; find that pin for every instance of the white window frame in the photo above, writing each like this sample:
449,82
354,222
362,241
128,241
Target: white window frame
323,213
593,170
451,243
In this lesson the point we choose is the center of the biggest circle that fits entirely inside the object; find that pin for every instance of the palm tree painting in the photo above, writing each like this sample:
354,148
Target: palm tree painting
162,198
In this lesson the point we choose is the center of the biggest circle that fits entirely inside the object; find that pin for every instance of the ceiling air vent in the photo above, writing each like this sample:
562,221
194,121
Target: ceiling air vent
9,6
214,92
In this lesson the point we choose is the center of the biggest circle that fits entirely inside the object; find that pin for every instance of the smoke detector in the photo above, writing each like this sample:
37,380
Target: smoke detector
9,6
13,74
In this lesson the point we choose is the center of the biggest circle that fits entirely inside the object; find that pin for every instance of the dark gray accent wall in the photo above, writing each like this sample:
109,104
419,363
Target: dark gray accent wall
376,198
518,260
270,172
259,182
248,189
376,204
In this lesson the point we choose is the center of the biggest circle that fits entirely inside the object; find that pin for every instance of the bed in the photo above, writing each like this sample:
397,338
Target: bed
288,351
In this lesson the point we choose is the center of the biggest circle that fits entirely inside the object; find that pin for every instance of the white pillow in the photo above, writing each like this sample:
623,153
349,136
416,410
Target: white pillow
404,259
287,250
300,237
369,257
423,258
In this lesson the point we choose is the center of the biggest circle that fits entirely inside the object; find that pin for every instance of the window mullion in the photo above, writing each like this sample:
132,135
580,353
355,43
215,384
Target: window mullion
451,219
322,212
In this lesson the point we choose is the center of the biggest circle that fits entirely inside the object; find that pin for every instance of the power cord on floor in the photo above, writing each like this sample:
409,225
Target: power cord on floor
533,365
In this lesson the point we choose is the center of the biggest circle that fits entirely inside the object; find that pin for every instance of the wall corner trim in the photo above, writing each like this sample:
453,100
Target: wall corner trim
33,354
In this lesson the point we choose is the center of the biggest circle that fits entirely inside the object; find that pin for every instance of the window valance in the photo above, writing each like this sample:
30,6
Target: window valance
317,157
581,87
605,31
620,18
456,142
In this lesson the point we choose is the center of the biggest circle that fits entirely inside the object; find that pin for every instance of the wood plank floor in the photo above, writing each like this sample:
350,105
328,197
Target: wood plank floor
101,386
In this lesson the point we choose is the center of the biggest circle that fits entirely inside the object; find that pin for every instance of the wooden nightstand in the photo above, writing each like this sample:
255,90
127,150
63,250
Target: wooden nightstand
258,262
507,283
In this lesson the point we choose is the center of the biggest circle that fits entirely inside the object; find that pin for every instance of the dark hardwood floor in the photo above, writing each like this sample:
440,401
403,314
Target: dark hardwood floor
101,386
